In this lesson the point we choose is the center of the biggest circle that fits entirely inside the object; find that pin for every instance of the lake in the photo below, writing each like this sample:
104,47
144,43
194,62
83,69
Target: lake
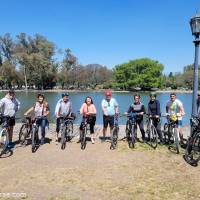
77,98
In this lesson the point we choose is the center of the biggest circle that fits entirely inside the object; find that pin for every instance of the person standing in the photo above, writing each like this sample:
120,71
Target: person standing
63,109
110,109
9,105
41,111
175,107
154,112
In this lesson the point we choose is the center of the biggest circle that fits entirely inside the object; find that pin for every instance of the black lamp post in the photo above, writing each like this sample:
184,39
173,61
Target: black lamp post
195,27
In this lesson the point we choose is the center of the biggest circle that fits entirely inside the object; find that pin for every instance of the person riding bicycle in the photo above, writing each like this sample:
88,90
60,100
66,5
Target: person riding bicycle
154,112
175,109
9,105
88,110
110,109
41,111
138,108
63,108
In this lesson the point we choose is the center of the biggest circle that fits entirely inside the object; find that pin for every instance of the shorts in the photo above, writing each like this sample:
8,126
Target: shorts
9,121
180,123
108,120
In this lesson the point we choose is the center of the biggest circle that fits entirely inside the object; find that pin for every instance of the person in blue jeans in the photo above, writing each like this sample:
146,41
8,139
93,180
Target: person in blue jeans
40,111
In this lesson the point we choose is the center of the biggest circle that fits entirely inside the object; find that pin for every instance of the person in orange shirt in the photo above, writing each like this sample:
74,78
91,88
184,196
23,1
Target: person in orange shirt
88,110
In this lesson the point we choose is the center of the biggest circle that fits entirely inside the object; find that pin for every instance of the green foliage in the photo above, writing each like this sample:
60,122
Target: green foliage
144,73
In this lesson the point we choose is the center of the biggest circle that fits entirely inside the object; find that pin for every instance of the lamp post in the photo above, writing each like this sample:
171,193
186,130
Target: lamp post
195,27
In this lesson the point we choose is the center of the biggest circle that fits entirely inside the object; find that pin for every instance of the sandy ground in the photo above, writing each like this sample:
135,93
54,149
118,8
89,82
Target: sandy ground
97,173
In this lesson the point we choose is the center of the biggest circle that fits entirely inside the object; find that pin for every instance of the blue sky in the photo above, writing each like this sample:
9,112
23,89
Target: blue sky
109,32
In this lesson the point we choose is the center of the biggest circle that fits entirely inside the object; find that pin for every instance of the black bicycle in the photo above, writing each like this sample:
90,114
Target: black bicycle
171,135
192,151
34,134
152,132
131,130
114,134
67,132
25,131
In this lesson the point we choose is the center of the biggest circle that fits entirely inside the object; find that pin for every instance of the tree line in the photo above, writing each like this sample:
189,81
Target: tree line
30,62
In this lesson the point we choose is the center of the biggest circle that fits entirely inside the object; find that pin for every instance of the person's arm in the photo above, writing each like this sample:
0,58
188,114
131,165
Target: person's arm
116,107
57,109
182,111
47,110
81,109
158,109
1,103
29,111
130,109
103,109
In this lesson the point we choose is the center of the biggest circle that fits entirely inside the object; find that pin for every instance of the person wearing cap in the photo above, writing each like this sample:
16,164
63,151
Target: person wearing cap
63,108
9,105
175,107
40,111
138,108
154,112
110,108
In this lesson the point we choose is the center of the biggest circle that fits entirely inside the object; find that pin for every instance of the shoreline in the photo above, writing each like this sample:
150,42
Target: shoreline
102,90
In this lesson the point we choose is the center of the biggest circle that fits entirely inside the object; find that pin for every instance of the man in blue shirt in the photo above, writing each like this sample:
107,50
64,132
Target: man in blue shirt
110,108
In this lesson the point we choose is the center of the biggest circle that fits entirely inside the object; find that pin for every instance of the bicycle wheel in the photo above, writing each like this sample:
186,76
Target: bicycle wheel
128,131
132,137
153,137
3,142
192,152
114,138
34,138
63,137
176,140
83,138
23,134
69,131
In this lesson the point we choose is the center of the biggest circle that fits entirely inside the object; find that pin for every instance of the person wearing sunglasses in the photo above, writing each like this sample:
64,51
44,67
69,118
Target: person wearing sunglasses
110,109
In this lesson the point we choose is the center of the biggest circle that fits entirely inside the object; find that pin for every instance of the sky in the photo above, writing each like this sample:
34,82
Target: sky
108,32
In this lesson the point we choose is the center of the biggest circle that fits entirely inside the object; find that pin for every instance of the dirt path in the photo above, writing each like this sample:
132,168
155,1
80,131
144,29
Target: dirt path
97,173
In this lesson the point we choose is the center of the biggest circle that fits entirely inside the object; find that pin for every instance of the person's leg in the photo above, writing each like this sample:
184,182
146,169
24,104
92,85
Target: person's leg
180,130
43,126
58,122
141,126
80,131
105,126
111,123
157,124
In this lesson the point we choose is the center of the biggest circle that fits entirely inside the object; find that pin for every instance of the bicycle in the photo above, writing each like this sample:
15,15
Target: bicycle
192,151
152,132
114,133
4,141
171,134
25,130
131,130
34,134
66,130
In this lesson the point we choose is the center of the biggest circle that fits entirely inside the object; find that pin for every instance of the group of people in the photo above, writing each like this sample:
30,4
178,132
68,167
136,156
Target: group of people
9,105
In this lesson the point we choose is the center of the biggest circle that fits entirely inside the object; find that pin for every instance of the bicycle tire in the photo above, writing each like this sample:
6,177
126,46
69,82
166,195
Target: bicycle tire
166,133
153,137
63,137
114,138
128,131
23,133
83,138
3,142
69,131
176,140
192,152
132,140
34,138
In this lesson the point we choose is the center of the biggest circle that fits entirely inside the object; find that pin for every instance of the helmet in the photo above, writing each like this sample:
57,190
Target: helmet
153,94
107,93
65,94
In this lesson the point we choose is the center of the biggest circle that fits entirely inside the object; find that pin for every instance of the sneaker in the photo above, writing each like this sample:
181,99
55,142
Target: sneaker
42,141
11,145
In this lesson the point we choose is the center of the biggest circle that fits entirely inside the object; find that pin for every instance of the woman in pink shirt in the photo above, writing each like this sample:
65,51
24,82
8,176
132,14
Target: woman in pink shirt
88,111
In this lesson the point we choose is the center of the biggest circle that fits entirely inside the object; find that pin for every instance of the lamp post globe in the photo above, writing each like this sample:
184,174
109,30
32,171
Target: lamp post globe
195,28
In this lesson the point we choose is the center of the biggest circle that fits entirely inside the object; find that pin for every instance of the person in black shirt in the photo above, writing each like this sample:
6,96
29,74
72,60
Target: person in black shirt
138,108
154,111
